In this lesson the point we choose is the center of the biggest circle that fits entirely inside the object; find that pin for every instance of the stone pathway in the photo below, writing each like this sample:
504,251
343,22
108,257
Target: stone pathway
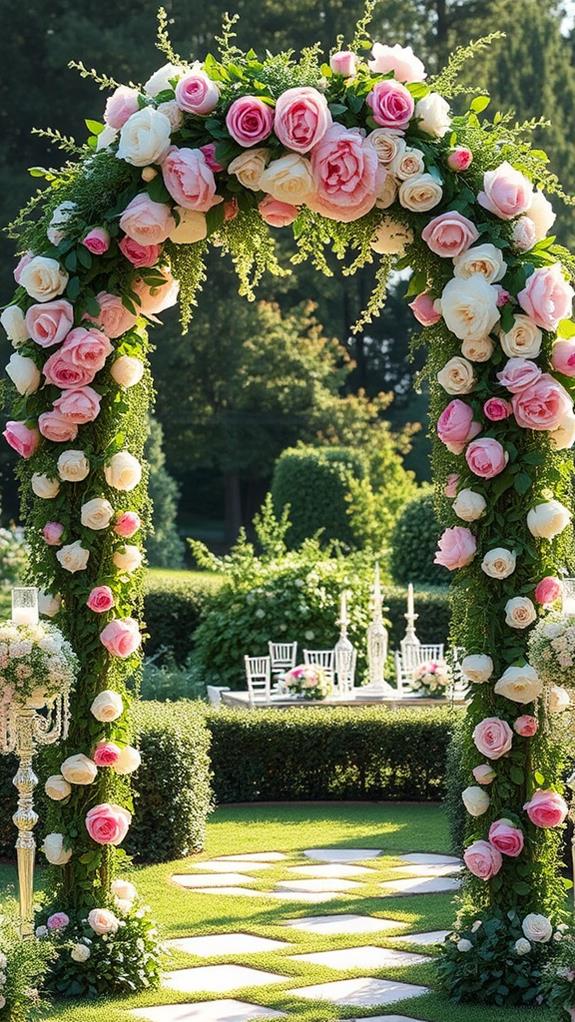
325,926
366,992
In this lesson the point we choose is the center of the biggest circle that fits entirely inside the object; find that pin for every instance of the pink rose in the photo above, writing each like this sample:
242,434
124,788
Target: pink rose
547,297
249,120
483,860
106,754
496,409
52,533
563,357
457,547
79,405
61,371
524,235
391,103
21,264
423,308
546,809
346,174
89,348
548,590
209,151
196,93
486,457
503,296
121,105
518,374
147,221
449,234
189,180
56,428
139,255
97,241
127,524
114,318
507,193
399,59
231,208
455,426
121,637
276,213
542,406
460,159
108,824
302,118
57,921
526,726
100,599
506,838
49,323
159,297
23,439
493,737
450,488
344,62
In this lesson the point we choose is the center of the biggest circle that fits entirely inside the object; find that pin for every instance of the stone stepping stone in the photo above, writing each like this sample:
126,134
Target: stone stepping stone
307,898
429,859
332,869
211,880
207,1011
317,886
430,869
425,939
253,857
326,926
342,854
367,957
225,944
421,885
385,1018
223,866
245,892
218,978
365,992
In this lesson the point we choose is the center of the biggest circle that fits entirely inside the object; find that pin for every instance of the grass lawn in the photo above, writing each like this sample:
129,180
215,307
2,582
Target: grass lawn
182,575
291,829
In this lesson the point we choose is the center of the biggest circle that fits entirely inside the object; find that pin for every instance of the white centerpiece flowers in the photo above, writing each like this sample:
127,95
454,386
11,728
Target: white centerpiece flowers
552,649
37,664
308,681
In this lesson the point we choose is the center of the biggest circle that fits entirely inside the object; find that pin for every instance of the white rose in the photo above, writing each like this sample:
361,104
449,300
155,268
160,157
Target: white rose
484,774
160,80
101,921
79,769
420,193
96,513
391,237
469,307
464,945
537,928
433,115
520,612
387,193
476,800
387,143
57,787
545,521
14,323
106,138
499,562
469,506
44,487
73,466
62,214
124,890
192,226
126,370
457,376
248,167
522,946
172,111
123,471
409,163
24,374
519,684
49,604
542,215
484,259
43,279
559,699
480,350
129,761
80,953
107,706
145,138
477,667
73,557
53,848
563,437
523,340
128,558
288,179
41,931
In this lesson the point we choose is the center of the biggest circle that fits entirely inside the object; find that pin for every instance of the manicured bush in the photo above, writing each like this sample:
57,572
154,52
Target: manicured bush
172,609
414,542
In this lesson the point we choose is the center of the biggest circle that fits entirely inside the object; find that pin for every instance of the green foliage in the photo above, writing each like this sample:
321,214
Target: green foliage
457,781
414,542
23,966
13,557
376,501
164,679
164,547
172,610
559,976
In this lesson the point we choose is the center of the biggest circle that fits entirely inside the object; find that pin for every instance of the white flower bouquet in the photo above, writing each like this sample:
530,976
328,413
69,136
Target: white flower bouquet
552,649
37,664
432,677
308,681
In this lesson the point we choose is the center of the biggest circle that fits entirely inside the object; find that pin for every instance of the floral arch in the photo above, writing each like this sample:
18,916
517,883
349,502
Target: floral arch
361,155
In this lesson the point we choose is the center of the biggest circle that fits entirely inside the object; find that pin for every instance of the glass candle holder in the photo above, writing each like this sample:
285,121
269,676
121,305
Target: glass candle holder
25,605
568,595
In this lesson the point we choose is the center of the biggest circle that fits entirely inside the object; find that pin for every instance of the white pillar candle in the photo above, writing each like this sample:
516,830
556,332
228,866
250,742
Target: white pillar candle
343,607
410,602
25,605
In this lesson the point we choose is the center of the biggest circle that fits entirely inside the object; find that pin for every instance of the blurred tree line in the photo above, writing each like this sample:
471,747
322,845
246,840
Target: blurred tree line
250,380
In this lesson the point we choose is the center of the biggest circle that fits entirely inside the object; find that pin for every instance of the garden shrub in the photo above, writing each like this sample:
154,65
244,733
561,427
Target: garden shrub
431,606
172,609
164,547
414,542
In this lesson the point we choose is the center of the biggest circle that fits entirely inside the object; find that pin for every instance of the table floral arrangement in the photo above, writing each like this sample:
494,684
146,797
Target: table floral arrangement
552,651
431,678
37,664
308,681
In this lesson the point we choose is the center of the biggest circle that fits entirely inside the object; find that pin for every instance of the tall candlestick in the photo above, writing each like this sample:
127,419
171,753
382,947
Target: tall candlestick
343,619
25,605
410,602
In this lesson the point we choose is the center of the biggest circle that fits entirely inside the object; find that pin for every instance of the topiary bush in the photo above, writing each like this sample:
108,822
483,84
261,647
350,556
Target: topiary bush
414,542
172,610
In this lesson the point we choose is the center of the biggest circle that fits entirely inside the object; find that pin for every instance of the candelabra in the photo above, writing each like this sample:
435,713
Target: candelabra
377,643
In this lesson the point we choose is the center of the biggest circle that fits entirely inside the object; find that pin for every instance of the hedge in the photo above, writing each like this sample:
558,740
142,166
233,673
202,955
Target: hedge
172,610
431,606
414,542
330,753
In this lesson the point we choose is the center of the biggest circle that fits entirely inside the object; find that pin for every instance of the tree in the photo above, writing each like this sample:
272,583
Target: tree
164,547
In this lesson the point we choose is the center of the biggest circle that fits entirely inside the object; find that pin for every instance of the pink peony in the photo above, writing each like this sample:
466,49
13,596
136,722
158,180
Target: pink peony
493,737
189,180
52,533
209,151
542,406
547,297
392,105
563,357
346,174
57,921
518,374
121,105
147,221
460,159
79,405
483,860
100,599
89,348
486,457
276,213
56,428
344,62
21,264
401,60
127,524
450,488
302,118
114,318
546,809
107,824
548,590
506,838
159,297
455,426
449,234
139,255
249,121
49,323
496,409
121,637
526,726
196,93
457,547
106,754
97,241
507,193
423,308
22,438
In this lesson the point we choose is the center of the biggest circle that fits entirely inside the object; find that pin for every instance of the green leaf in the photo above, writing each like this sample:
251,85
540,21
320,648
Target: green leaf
566,328
522,482
517,775
480,103
539,777
157,190
215,217
94,127
73,288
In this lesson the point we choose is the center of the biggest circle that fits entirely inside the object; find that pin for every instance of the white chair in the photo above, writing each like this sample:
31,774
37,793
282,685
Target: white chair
410,657
258,675
214,693
321,658
283,656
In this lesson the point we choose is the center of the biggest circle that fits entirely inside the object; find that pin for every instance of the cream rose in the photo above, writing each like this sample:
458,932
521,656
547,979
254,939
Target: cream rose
486,260
172,111
44,487
73,466
102,921
73,557
57,788
478,351
537,928
160,80
387,143
128,762
288,179
475,800
387,193
124,890
96,513
499,562
123,471
432,113
469,307
469,506
24,374
519,684
249,166
541,214
563,438
80,953
545,521
107,706
79,769
192,226
127,559
420,193
391,237
520,612
406,164
523,340
477,667
457,376
43,278
53,848
14,323
558,699
49,604
145,138
127,371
